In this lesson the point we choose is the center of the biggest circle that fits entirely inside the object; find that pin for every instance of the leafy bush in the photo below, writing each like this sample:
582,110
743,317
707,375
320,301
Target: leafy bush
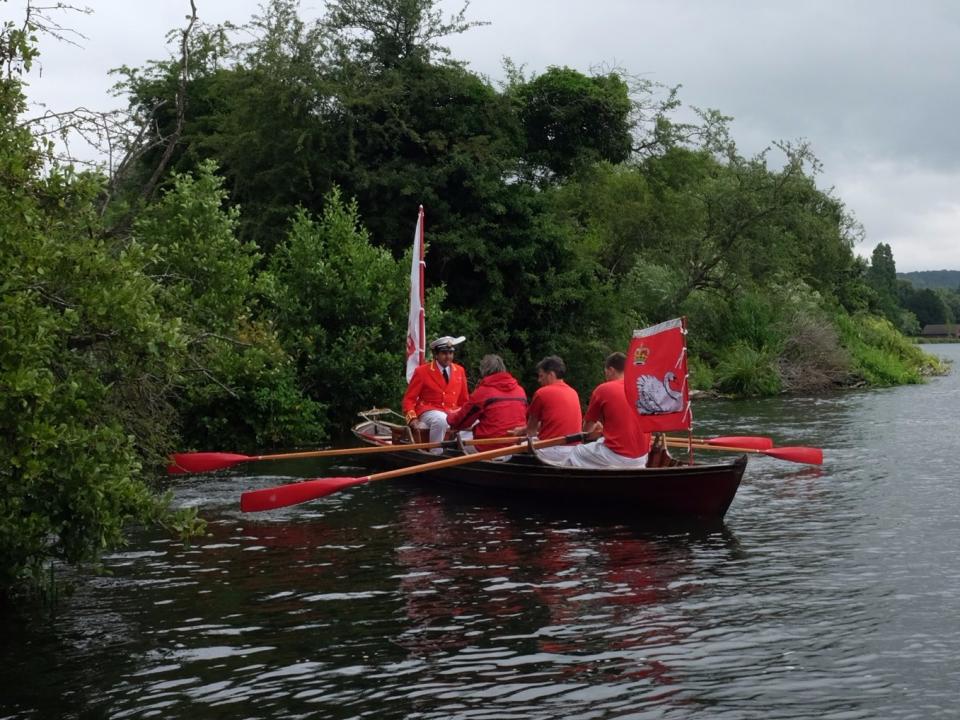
881,355
239,387
651,289
734,344
262,406
757,319
701,374
82,336
340,307
746,371
206,272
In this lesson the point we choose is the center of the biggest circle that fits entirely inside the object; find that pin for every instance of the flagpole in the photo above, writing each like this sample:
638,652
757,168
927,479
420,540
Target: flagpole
422,357
416,316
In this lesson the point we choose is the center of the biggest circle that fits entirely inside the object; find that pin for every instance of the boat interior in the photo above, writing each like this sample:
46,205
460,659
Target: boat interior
385,426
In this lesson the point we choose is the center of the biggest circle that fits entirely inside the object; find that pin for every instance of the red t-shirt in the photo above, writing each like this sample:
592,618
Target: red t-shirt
621,426
557,407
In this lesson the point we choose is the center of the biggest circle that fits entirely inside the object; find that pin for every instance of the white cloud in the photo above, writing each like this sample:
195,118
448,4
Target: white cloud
912,208
869,84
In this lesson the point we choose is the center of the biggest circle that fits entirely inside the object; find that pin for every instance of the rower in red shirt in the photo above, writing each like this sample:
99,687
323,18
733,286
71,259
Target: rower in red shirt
554,410
624,443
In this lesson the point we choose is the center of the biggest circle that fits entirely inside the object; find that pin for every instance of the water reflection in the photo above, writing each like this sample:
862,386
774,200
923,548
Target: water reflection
473,574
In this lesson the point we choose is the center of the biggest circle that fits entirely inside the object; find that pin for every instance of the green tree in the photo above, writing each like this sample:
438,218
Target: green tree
239,387
383,34
561,209
340,308
951,298
260,108
84,355
571,120
927,304
882,278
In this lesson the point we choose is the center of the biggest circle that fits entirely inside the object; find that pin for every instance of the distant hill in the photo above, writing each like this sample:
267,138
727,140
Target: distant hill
947,279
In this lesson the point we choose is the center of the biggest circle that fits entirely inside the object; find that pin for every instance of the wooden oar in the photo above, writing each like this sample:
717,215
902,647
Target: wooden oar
748,441
294,493
808,455
200,462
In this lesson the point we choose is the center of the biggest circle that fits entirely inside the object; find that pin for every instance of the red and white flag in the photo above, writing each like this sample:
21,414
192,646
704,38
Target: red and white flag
416,335
655,379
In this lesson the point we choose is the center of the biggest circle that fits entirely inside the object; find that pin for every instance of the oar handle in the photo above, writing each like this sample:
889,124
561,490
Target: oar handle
198,462
746,441
699,445
380,449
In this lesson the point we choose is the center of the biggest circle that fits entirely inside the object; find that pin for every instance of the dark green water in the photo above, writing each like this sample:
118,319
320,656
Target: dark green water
828,592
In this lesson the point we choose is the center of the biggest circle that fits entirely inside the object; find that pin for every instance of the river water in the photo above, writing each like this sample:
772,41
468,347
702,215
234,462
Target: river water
827,592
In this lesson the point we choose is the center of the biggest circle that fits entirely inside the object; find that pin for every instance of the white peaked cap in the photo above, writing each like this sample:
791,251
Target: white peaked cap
446,341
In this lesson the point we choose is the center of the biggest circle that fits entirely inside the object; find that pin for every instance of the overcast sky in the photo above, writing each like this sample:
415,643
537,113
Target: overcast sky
871,84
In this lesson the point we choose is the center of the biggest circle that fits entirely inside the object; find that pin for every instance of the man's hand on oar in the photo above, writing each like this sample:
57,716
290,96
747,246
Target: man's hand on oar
294,493
799,454
201,462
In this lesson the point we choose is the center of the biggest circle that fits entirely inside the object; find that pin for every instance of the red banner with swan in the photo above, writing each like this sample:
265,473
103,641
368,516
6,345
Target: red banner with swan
655,378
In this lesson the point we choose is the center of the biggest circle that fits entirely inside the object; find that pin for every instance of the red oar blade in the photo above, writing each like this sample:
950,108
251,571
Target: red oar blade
742,441
283,495
808,455
200,462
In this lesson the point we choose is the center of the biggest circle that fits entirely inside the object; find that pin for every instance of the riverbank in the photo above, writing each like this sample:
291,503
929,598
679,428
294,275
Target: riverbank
815,358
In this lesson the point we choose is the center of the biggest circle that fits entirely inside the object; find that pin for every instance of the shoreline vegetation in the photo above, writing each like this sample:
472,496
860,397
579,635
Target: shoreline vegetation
239,280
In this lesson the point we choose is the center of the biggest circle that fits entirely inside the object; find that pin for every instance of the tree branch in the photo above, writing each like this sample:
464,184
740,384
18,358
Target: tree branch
181,100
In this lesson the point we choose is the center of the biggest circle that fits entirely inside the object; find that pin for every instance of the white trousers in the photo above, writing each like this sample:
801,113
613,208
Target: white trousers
436,421
556,454
597,455
469,449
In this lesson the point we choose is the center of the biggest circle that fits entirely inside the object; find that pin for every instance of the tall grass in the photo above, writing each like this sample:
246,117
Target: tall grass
748,372
762,344
881,355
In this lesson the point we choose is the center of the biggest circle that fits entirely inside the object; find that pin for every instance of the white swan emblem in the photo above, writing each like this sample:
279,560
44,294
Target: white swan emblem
655,396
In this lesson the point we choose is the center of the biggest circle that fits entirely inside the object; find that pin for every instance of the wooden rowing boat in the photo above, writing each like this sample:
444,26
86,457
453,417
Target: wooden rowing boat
668,487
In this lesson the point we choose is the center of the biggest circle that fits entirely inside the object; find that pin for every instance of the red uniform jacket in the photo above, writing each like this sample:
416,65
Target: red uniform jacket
498,402
429,391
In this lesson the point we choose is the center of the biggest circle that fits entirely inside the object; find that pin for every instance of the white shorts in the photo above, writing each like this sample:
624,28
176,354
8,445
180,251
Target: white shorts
597,455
